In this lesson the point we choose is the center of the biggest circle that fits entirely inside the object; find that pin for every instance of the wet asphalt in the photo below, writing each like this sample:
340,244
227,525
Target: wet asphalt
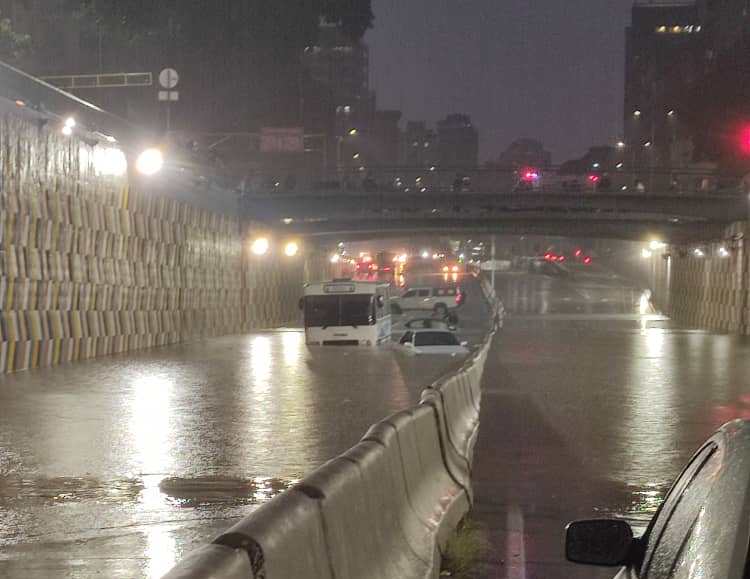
592,404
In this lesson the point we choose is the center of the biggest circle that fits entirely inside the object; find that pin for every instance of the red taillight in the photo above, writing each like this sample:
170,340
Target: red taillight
548,256
561,258
587,260
579,252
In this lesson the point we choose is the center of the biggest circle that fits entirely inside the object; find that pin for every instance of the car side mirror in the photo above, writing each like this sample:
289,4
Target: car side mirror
605,542
465,344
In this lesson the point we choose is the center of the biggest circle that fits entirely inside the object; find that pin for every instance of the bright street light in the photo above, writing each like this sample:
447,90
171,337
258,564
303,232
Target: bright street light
656,245
335,258
150,162
67,131
260,246
698,252
110,161
723,252
646,253
70,122
353,132
425,254
620,144
291,249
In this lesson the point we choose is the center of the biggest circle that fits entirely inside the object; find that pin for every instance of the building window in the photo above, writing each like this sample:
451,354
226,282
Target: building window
677,29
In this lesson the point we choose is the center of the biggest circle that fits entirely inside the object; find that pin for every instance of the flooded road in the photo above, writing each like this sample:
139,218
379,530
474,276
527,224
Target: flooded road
590,412
115,467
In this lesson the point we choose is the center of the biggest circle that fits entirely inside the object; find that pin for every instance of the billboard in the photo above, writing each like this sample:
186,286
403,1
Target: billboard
282,140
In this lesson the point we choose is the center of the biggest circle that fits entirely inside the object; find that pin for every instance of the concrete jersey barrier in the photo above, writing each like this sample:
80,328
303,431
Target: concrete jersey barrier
385,509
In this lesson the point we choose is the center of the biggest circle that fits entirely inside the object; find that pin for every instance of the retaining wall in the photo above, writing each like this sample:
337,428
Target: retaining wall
385,509
89,267
711,290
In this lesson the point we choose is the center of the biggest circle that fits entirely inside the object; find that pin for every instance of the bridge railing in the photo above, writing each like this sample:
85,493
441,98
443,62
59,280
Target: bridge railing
425,180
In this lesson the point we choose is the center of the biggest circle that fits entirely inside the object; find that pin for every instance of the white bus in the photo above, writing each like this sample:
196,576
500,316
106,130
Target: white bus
347,312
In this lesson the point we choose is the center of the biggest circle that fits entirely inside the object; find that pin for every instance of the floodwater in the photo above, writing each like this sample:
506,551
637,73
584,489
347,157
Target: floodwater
591,412
118,466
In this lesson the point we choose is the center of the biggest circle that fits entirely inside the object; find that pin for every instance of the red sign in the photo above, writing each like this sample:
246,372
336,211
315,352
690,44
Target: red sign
282,140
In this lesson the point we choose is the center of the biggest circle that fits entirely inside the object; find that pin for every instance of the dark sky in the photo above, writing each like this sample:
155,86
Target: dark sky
548,69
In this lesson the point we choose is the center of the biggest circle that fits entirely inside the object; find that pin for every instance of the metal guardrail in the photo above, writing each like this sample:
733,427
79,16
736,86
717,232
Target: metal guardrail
426,180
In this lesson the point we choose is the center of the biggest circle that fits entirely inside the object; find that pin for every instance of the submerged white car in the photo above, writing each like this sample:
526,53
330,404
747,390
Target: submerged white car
431,341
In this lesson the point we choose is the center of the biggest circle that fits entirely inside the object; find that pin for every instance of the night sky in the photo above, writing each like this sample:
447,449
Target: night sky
547,69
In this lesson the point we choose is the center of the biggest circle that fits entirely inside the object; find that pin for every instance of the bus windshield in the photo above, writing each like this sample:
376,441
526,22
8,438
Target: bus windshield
336,311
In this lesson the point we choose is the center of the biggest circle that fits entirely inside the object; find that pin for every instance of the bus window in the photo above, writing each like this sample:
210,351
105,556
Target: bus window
321,311
356,310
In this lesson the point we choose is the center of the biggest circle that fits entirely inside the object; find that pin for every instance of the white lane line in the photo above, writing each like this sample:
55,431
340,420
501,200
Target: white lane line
515,552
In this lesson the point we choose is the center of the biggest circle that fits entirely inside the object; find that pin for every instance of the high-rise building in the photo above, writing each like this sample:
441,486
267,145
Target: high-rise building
458,142
663,53
686,84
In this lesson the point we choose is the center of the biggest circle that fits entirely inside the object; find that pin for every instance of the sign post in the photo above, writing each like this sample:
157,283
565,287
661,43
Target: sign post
168,79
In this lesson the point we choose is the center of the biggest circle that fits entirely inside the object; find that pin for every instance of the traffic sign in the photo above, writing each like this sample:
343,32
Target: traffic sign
169,96
168,78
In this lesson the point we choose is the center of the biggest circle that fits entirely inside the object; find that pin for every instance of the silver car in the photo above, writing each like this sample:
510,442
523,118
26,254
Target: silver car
702,528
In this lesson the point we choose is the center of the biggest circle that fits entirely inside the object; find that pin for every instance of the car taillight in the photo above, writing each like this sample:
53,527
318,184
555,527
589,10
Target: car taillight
587,260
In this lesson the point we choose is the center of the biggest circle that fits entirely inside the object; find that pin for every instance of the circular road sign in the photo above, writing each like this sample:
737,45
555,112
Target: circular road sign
168,78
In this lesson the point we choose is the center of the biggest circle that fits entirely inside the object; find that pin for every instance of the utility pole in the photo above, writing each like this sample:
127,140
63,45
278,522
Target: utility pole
494,265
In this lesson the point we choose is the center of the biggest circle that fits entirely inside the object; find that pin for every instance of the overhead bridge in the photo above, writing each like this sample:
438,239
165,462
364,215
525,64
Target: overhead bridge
375,206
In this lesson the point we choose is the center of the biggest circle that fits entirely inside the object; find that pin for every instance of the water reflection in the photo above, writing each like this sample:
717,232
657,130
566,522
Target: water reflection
262,363
160,550
292,343
149,422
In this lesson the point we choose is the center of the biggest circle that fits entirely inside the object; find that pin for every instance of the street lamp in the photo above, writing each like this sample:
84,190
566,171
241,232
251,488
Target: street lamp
150,162
260,246
291,249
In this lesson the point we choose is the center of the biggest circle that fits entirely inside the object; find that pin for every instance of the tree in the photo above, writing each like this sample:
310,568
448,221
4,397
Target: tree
12,44
295,20
250,49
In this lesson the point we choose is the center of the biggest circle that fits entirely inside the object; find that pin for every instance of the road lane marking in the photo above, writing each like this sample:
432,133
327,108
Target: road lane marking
515,549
